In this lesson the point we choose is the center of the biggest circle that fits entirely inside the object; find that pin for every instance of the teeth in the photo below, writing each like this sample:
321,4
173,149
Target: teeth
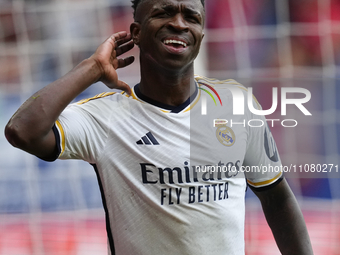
175,42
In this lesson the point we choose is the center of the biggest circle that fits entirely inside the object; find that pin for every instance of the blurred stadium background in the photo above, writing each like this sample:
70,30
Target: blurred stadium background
55,208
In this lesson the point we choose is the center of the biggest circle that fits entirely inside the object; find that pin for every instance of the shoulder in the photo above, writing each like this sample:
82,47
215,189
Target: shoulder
98,99
226,87
201,80
229,90
101,102
98,107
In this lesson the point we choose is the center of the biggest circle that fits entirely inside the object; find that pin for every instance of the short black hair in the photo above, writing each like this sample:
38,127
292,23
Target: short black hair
135,4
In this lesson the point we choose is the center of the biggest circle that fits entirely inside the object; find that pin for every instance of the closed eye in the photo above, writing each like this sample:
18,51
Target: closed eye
193,15
162,14
193,18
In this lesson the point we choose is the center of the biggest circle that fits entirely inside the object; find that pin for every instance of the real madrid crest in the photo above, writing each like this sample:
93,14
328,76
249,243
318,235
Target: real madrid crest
225,135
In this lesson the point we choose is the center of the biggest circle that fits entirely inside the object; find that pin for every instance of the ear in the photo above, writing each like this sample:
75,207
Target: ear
135,32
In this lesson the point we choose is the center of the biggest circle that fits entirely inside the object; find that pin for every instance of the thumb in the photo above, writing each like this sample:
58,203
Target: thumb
124,86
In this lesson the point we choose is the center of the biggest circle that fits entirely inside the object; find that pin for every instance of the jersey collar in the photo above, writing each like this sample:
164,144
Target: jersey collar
169,108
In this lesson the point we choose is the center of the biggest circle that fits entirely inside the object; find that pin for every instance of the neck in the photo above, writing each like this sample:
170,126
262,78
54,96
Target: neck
167,86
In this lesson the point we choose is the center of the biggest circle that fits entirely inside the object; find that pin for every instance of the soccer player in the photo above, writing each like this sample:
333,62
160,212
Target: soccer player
172,182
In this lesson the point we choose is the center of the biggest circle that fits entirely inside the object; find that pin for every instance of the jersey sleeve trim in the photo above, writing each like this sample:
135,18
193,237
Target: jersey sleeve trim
61,143
265,183
57,152
270,186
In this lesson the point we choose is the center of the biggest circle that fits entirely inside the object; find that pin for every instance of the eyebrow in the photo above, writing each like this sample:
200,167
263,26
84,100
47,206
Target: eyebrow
191,11
172,8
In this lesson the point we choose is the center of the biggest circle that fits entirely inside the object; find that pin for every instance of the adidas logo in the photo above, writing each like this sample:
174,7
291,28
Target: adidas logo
148,139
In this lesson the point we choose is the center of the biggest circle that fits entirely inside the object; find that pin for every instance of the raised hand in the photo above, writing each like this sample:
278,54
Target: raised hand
106,57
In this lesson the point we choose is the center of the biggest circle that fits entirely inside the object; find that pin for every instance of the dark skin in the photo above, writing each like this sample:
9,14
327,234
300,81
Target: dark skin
45,106
285,219
167,72
169,35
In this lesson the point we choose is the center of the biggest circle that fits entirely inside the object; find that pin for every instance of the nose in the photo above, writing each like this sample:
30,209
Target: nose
178,23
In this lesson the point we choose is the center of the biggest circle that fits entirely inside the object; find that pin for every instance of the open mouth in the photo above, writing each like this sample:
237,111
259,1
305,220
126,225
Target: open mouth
175,43
175,46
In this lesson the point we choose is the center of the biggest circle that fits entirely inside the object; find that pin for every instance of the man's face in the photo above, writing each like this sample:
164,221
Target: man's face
170,31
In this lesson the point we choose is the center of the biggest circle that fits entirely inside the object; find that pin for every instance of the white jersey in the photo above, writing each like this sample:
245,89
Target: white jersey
173,180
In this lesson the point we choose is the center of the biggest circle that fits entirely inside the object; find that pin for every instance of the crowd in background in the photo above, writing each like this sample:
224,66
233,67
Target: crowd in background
259,42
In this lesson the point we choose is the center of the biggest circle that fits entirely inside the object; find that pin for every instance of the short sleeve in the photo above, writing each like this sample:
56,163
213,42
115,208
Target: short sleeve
82,132
262,164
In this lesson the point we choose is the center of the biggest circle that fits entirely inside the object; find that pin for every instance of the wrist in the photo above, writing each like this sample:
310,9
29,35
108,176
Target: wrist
91,70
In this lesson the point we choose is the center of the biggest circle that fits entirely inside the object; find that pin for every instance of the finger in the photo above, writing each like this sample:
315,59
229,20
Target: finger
123,62
120,85
124,48
122,39
118,36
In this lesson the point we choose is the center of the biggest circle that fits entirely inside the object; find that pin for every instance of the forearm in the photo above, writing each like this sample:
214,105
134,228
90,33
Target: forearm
30,128
285,219
35,118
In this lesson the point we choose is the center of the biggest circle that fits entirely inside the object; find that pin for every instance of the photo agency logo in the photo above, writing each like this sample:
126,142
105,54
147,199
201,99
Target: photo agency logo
238,105
204,99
